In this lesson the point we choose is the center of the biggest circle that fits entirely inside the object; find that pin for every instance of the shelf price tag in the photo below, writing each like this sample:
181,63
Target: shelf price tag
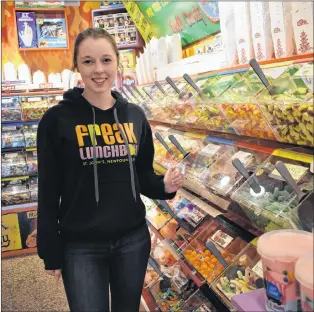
45,85
7,88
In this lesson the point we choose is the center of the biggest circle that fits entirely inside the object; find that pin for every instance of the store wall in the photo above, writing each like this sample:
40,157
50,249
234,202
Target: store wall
79,18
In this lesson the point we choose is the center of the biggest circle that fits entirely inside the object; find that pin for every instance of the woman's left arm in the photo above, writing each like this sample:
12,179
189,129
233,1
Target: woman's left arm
151,184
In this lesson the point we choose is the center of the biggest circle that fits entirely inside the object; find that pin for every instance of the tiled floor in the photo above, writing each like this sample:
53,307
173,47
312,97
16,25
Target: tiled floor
26,287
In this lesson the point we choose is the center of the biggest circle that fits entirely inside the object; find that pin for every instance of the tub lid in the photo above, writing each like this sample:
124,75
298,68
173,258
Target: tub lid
285,245
304,271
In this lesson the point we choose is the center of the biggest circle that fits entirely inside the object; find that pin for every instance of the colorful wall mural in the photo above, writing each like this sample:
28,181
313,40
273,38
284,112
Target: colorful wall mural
79,18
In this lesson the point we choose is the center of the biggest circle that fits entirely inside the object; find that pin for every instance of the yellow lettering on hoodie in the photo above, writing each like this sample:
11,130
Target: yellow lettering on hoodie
107,134
118,134
91,132
81,131
129,132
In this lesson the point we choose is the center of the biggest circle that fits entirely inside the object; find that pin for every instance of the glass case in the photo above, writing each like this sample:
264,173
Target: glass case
275,205
13,165
34,107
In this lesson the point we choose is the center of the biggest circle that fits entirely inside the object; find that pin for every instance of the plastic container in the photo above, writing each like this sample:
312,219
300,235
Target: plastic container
290,112
304,274
280,251
243,275
276,207
238,104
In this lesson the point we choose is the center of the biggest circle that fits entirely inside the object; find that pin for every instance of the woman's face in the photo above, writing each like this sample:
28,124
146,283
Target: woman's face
97,64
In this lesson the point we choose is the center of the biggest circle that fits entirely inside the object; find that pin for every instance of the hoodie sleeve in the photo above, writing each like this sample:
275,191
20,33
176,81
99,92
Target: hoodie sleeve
151,184
48,238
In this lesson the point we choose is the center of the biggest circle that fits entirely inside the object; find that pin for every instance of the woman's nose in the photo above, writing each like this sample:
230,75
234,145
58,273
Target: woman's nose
98,67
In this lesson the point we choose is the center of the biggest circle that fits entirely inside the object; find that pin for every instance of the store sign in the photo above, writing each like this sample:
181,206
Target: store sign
192,20
19,230
10,232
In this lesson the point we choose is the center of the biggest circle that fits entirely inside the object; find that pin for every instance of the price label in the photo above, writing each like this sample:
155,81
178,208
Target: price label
45,85
258,268
32,214
8,88
297,172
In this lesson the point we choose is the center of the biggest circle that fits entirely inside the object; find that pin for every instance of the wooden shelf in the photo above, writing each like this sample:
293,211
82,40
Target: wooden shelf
40,9
58,92
42,49
281,62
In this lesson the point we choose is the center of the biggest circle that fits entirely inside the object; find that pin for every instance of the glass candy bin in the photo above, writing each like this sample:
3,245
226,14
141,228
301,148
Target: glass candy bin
202,153
164,156
212,87
243,275
276,205
13,165
10,108
222,176
204,262
239,106
154,214
290,110
198,303
143,99
157,103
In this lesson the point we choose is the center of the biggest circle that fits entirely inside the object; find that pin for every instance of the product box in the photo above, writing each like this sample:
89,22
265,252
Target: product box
281,28
243,32
302,19
261,33
39,4
127,59
51,33
26,28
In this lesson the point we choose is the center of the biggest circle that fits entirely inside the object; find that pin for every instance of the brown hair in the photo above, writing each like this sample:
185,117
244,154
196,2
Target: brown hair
95,33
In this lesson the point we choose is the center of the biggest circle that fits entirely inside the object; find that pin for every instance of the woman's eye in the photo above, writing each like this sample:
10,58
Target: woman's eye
87,62
107,60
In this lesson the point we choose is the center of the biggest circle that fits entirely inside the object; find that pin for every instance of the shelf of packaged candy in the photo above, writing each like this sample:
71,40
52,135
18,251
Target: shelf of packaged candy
238,103
290,110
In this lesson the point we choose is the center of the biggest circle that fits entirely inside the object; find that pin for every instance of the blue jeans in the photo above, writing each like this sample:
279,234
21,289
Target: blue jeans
89,268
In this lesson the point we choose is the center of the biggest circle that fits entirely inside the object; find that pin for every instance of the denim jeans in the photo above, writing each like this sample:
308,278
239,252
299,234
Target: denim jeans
89,268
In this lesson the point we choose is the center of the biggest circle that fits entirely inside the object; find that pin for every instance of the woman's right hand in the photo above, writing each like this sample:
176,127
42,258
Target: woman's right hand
55,273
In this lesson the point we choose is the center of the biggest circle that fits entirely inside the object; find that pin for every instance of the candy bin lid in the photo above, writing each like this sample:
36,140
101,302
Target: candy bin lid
196,154
154,214
293,85
222,176
151,277
275,206
223,238
244,274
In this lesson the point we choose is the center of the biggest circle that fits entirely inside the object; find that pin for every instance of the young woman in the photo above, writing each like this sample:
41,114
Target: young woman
95,158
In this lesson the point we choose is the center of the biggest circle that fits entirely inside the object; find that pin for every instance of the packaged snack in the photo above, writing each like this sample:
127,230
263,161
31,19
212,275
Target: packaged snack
33,108
12,137
10,108
33,187
14,192
13,164
51,32
54,100
31,160
30,135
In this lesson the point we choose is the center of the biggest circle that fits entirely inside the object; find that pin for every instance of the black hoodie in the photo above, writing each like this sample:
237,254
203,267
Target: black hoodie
89,182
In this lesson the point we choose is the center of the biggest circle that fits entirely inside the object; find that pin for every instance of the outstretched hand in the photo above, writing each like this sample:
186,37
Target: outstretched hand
173,179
